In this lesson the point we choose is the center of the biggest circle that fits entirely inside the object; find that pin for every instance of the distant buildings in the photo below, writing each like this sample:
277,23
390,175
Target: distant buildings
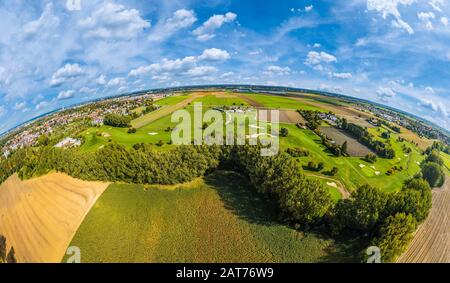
68,143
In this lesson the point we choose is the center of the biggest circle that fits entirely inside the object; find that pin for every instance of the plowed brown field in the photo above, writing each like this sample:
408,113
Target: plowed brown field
431,243
39,217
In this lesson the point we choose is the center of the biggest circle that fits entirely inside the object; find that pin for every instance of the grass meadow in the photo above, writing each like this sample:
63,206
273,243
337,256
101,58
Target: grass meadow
219,218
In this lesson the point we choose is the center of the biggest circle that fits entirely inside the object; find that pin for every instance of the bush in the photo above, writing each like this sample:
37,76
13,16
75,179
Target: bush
394,236
370,157
433,174
334,171
284,132
116,120
297,152
132,130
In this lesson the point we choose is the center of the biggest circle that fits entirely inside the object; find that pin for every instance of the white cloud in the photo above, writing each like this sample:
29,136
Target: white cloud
426,18
20,106
309,8
47,20
66,94
436,107
41,105
66,73
317,45
227,75
114,21
180,19
200,71
444,21
2,111
277,70
117,82
385,93
214,54
101,80
342,75
206,31
316,58
436,4
390,7
429,89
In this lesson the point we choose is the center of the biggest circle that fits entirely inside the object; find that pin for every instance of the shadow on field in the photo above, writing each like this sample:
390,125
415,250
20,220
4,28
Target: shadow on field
241,198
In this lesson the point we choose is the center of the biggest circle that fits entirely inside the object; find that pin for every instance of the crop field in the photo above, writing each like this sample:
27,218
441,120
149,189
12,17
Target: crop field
431,243
277,102
215,219
171,100
40,216
355,148
446,159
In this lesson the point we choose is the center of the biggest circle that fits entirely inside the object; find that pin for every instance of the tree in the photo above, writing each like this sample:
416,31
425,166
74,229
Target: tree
2,248
11,258
394,236
284,132
435,157
116,120
344,147
362,211
132,130
334,171
433,174
370,157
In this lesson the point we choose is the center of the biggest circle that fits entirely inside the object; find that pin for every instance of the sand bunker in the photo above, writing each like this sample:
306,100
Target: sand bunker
152,134
332,184
362,165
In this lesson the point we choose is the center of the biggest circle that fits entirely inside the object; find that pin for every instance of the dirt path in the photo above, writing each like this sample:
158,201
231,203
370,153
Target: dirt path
431,243
39,217
345,194
160,113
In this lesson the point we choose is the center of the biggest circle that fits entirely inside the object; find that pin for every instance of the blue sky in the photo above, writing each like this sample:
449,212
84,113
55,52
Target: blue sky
58,53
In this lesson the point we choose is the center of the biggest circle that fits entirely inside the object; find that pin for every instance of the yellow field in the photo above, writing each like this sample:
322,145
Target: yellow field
39,217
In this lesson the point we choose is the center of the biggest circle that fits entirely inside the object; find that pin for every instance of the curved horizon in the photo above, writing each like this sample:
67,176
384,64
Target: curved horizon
54,54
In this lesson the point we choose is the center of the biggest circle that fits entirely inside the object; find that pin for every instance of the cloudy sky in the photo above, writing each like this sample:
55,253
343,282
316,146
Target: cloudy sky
58,53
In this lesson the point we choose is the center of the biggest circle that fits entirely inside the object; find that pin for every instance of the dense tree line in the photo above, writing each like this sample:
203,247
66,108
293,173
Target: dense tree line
377,214
116,120
432,168
364,137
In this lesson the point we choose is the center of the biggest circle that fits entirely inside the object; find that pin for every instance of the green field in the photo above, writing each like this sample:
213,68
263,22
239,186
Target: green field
216,219
272,101
446,158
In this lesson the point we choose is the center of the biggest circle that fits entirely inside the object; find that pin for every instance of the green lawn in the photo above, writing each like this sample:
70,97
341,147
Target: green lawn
218,219
354,171
222,100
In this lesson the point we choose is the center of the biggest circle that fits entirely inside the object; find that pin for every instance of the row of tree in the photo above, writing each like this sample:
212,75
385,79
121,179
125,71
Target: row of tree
364,137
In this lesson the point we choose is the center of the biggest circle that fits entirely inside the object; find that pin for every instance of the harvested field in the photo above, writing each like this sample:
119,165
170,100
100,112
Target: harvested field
286,116
39,217
431,243
354,147
169,109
